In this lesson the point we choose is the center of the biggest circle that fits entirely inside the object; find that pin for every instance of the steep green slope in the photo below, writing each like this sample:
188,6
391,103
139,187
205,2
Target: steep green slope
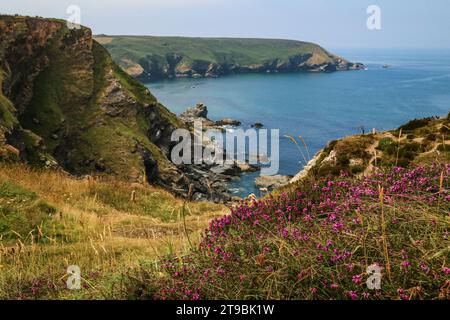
65,103
151,58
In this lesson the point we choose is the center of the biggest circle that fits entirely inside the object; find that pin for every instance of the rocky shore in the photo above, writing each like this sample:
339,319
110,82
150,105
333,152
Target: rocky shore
219,175
214,70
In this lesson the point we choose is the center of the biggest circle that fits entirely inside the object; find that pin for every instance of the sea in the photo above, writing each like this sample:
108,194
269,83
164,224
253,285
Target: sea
398,86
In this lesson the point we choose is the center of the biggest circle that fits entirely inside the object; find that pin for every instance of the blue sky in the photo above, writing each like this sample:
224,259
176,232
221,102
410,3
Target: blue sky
331,23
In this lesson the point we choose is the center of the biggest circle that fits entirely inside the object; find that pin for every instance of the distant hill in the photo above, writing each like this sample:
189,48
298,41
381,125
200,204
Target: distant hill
151,58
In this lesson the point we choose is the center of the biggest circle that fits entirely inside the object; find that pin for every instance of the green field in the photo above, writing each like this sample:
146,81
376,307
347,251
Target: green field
218,50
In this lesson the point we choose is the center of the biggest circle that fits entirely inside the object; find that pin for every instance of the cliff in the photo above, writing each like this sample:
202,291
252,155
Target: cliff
65,104
154,58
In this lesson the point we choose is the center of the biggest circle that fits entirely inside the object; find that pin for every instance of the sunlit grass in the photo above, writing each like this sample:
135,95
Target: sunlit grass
94,224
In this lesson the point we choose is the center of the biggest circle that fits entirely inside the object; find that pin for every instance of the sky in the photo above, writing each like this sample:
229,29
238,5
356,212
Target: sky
331,23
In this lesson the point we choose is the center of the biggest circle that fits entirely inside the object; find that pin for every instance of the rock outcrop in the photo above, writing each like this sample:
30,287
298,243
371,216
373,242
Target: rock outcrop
200,113
197,113
272,182
228,122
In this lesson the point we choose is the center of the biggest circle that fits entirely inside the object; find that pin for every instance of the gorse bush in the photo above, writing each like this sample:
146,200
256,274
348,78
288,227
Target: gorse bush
416,124
317,241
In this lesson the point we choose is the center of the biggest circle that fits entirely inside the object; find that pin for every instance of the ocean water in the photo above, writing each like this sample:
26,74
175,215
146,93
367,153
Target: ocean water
321,107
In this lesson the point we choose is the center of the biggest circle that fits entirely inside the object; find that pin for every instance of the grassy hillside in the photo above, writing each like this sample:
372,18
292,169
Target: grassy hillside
317,240
312,240
419,141
49,220
218,50
373,199
159,57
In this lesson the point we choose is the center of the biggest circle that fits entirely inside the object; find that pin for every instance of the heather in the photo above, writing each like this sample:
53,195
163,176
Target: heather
316,240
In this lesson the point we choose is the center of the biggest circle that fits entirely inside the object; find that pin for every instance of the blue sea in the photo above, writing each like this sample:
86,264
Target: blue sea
321,107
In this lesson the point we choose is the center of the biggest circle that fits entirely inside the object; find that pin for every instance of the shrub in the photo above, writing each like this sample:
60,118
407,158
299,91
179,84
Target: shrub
444,147
410,150
317,241
415,124
386,144
431,137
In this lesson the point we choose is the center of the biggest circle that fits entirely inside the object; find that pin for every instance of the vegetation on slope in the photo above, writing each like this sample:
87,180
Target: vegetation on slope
7,109
50,220
317,240
151,58
65,103
417,142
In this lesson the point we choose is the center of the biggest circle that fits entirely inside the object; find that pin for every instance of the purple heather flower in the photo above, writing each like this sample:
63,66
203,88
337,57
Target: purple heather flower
406,265
353,295
334,286
220,271
357,279
424,267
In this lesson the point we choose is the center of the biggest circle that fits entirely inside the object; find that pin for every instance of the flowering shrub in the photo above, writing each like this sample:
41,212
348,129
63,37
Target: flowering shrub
317,240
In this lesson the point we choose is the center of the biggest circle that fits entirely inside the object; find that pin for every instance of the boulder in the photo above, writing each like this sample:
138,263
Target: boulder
246,167
234,168
199,111
272,182
257,125
228,122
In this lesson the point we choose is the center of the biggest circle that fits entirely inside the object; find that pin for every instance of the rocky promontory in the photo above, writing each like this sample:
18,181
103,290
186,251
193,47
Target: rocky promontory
155,58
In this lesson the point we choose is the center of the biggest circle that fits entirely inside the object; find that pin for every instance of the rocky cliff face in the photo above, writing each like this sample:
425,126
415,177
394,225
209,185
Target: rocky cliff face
153,67
65,104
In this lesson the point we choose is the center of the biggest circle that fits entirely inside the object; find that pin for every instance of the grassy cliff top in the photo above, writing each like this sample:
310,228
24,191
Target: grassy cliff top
218,50
106,226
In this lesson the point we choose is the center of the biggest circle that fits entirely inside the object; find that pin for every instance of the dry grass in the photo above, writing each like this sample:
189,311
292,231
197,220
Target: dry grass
103,225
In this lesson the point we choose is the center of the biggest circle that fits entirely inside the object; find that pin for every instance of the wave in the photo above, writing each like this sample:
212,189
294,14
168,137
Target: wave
427,79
